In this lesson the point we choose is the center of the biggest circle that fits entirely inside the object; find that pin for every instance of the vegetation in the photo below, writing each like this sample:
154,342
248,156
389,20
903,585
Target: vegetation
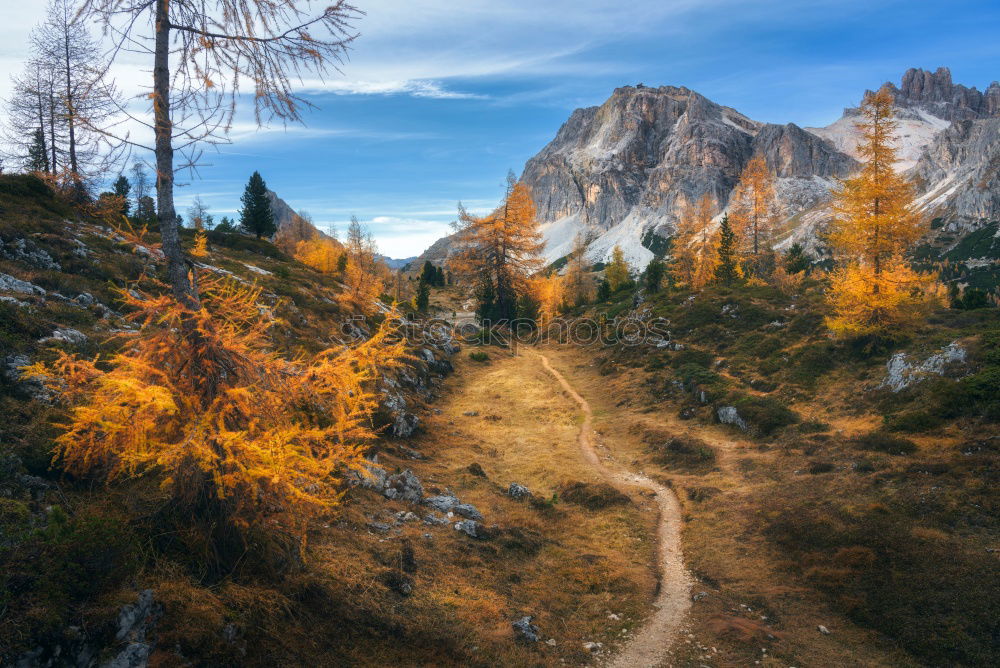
256,217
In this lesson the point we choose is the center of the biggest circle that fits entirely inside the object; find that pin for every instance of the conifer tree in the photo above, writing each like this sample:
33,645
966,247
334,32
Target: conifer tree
122,188
422,299
796,260
617,271
726,271
38,157
694,251
500,250
652,277
603,290
256,217
874,290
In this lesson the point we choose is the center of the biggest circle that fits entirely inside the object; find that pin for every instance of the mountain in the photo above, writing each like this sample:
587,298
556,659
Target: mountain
620,172
394,263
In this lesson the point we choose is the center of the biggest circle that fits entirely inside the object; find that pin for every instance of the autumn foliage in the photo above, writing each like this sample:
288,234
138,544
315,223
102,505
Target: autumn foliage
201,400
752,213
875,290
695,255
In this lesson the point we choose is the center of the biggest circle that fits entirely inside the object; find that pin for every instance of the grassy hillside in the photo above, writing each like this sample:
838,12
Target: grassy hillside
826,482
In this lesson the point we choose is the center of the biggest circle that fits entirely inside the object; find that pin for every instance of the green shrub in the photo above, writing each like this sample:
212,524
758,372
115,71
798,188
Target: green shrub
685,453
765,414
592,496
813,427
914,421
880,441
479,356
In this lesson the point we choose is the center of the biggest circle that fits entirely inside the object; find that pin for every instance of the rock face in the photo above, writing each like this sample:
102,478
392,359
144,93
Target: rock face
901,373
620,172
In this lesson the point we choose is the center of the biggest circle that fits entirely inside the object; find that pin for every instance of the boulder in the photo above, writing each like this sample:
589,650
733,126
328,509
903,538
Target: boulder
518,491
470,528
404,486
443,502
901,373
468,511
525,629
729,415
10,284
24,251
71,337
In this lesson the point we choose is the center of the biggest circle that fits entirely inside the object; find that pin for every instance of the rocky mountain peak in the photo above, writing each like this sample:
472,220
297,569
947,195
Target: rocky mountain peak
936,93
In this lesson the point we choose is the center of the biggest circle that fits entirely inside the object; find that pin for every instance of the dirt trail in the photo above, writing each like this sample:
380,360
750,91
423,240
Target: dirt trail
650,644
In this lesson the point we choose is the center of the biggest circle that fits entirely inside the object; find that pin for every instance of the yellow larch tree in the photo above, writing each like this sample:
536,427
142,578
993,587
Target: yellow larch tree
364,277
874,290
617,271
323,255
694,248
549,293
500,251
752,213
232,428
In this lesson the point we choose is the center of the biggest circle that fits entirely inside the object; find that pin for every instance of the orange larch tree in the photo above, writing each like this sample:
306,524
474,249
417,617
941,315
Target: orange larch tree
694,247
874,289
752,213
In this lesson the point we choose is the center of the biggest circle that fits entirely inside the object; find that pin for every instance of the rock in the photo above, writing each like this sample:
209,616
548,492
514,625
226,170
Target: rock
468,511
593,647
67,336
22,250
470,528
443,502
136,622
434,519
699,596
901,373
10,284
526,629
551,642
84,299
16,302
379,527
518,491
475,469
32,385
397,581
729,415
406,516
404,486
822,629
405,425
470,413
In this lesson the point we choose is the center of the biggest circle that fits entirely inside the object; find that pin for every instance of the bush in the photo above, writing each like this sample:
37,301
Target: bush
479,356
592,496
880,441
685,453
765,414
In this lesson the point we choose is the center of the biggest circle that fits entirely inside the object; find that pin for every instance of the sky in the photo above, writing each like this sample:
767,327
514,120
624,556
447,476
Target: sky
440,98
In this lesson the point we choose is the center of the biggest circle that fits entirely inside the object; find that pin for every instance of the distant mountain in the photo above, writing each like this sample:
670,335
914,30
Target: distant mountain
393,263
621,172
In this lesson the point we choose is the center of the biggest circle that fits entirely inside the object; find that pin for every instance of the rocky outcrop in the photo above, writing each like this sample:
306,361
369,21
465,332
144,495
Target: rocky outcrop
902,373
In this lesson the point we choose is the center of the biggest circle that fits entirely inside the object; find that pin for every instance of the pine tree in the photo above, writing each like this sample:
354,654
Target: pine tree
122,188
617,271
603,290
874,291
256,217
38,157
428,274
796,260
727,272
652,277
423,297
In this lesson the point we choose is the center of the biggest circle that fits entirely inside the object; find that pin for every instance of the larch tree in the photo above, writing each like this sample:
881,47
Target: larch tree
33,104
578,284
500,250
364,275
874,290
256,217
752,214
694,248
617,271
203,55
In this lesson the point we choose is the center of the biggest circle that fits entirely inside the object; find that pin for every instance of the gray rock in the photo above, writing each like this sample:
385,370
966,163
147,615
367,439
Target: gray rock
469,511
434,519
518,491
22,250
901,373
380,527
729,415
12,300
443,502
470,413
470,528
67,336
135,624
33,385
404,486
822,629
10,284
84,299
526,629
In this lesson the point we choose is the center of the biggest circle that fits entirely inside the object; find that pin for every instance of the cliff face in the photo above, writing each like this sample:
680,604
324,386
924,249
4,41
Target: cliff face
620,173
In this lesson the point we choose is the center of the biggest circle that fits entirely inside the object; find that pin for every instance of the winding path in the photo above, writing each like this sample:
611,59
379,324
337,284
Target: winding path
650,644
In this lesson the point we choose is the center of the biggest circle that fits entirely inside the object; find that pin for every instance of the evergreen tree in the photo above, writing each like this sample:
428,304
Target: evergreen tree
256,217
796,259
38,157
122,188
440,280
423,296
342,263
603,290
726,272
428,274
653,276
145,211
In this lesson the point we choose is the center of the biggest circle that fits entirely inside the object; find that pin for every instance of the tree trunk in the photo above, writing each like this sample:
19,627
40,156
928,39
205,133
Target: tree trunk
70,114
52,129
177,266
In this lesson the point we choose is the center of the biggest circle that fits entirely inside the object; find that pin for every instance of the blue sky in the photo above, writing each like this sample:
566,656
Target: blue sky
441,97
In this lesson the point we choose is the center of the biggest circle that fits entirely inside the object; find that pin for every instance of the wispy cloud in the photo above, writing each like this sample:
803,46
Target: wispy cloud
417,88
